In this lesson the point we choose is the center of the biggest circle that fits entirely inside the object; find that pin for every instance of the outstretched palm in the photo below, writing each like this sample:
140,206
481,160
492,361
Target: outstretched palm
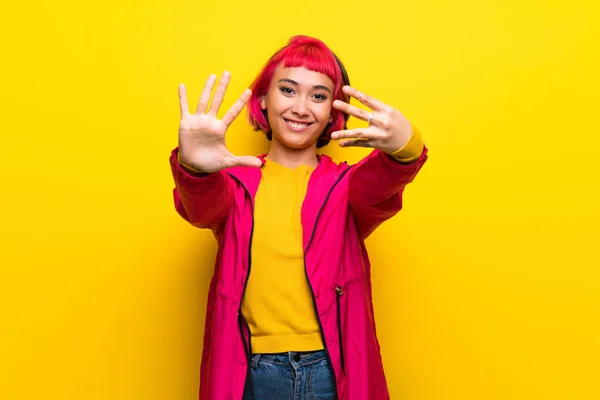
202,134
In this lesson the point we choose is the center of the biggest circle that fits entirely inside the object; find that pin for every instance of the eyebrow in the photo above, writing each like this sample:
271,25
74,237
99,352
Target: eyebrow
296,83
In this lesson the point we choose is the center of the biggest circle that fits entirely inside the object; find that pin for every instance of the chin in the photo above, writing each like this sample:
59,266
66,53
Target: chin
296,144
297,141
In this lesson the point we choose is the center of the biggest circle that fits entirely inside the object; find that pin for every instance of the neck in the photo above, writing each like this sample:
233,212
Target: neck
292,158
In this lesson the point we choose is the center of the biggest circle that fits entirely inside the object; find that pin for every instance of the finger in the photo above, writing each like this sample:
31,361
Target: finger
356,143
205,96
247,161
237,107
365,133
365,99
354,111
219,94
183,105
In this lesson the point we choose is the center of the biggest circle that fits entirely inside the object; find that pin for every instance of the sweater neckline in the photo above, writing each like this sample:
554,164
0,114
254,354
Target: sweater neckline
281,168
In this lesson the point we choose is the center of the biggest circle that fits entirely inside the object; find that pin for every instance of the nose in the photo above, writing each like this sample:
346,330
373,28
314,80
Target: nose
300,107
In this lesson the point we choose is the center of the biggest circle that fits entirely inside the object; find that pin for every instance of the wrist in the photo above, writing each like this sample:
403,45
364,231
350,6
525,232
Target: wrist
412,148
189,169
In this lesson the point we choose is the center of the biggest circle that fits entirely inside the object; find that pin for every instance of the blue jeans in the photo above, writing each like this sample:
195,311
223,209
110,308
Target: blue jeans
291,376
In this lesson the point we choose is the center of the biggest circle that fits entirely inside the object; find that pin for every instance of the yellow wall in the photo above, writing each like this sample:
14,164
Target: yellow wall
486,286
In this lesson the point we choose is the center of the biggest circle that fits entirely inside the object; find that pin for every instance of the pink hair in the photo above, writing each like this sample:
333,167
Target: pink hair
314,55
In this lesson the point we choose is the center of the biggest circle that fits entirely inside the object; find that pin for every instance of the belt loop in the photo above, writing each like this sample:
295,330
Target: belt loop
255,359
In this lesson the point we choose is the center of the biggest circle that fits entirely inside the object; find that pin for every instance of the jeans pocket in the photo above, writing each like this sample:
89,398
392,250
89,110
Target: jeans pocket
271,381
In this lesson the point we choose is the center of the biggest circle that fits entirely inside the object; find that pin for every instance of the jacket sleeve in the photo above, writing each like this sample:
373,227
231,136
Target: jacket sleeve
203,201
376,185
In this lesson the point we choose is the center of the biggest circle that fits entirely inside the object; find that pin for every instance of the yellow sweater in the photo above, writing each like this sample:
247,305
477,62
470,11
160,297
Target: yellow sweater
277,303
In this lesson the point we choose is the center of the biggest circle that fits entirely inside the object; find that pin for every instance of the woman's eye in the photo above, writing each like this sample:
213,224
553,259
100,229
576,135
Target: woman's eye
320,97
287,90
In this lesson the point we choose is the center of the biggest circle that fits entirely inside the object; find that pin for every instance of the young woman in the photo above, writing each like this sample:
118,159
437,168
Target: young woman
290,312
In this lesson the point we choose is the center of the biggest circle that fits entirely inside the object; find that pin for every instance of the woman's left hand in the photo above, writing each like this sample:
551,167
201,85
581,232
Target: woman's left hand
388,129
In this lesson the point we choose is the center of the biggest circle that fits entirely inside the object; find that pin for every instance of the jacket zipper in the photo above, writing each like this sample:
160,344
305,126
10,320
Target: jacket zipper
248,345
340,293
312,291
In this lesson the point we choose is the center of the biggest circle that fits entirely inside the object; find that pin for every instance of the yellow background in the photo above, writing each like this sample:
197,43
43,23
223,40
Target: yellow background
486,286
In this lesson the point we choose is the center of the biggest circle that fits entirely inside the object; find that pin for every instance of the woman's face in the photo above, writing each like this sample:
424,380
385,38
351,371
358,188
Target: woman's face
298,105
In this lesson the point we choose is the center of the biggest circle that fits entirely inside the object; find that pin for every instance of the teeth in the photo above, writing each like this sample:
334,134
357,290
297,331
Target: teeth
296,124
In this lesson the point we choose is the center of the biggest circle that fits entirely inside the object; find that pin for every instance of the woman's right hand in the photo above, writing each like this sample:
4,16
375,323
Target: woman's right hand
202,134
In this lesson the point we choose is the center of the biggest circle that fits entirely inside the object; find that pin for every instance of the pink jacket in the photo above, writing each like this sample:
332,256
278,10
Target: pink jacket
343,205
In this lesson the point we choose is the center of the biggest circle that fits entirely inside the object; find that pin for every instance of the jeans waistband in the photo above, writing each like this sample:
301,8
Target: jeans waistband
295,358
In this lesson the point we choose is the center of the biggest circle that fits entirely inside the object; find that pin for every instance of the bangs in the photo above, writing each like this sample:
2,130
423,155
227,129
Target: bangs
314,59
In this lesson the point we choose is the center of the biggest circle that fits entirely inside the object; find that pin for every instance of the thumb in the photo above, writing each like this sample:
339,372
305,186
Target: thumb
248,161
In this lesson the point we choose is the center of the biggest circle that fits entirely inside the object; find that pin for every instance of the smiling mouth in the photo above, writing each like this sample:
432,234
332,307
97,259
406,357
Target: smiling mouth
297,126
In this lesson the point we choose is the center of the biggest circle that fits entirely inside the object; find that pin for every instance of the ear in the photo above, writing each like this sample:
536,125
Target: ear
263,102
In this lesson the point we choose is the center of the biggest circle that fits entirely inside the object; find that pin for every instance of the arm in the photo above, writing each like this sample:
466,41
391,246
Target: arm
203,190
201,199
377,182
